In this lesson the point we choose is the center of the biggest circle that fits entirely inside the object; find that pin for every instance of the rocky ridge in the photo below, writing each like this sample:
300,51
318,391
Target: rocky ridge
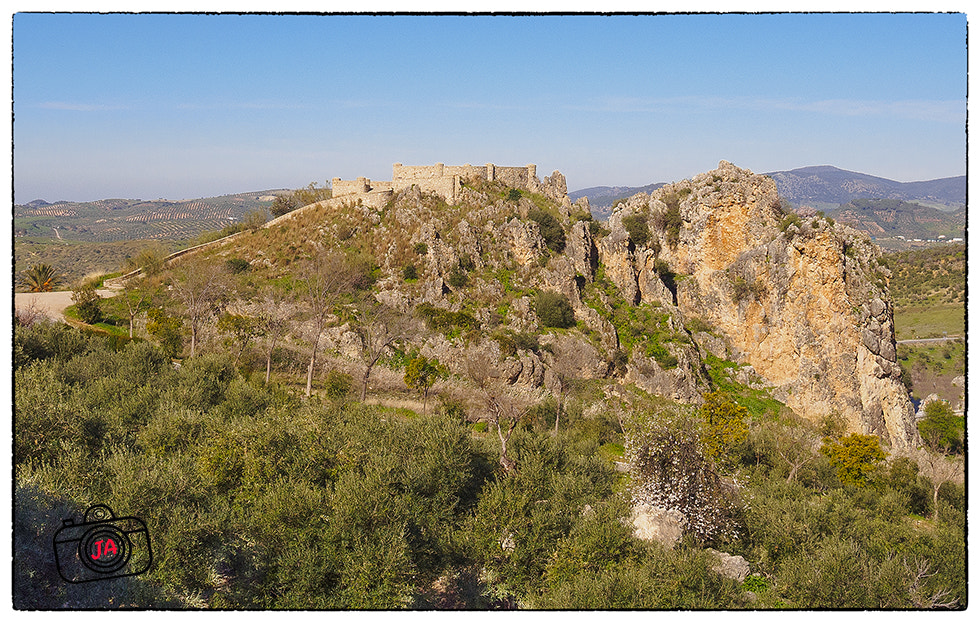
701,270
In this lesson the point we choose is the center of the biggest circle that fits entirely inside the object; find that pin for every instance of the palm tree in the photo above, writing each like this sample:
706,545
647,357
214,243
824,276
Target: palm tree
40,278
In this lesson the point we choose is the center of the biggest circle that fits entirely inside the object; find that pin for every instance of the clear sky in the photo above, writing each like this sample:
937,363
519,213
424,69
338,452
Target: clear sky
183,106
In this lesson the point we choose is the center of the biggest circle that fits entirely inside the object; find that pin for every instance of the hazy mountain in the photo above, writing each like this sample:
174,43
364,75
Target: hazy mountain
818,186
821,187
605,196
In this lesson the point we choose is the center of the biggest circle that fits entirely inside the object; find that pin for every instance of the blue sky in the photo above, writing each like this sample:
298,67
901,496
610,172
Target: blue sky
184,106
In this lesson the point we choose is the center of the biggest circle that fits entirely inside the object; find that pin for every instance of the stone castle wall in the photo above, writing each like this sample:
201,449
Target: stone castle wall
440,179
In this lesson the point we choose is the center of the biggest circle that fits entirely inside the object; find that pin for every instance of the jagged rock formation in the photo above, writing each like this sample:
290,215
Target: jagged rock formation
804,303
695,272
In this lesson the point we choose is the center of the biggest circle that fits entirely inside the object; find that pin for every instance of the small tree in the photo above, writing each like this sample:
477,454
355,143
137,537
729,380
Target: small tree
273,312
505,408
551,230
941,430
241,330
725,427
137,296
637,227
282,204
202,290
326,278
377,333
166,329
796,446
88,303
670,470
554,310
421,374
855,457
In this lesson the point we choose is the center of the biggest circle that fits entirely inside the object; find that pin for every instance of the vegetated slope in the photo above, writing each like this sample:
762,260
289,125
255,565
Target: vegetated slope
111,220
289,502
73,260
886,218
802,302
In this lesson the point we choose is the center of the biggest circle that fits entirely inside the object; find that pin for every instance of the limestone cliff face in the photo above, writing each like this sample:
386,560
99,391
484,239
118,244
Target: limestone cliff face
804,303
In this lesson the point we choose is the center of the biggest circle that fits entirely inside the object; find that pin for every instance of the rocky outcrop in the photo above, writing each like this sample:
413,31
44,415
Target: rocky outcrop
804,303
801,304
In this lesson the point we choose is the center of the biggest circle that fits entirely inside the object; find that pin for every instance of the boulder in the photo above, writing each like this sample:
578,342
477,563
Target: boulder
651,523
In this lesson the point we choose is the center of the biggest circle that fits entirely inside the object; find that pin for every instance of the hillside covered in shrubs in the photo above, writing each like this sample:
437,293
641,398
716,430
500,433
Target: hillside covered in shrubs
481,405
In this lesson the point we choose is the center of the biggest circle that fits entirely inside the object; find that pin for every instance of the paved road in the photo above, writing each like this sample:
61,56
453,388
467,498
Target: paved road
930,340
53,304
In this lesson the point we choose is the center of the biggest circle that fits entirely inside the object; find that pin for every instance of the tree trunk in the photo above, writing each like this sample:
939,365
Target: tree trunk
268,360
364,382
309,372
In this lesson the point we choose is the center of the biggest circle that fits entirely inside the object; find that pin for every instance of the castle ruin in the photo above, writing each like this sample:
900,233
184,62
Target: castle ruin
445,181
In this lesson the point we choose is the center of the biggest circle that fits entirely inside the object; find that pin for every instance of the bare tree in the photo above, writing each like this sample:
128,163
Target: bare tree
377,333
506,407
202,290
33,312
137,294
797,446
561,374
939,469
326,278
274,311
920,571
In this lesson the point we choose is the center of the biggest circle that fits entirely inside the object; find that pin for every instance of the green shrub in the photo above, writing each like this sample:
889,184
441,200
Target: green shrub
88,304
551,230
237,265
554,310
439,319
457,278
855,457
638,229
410,273
420,248
337,385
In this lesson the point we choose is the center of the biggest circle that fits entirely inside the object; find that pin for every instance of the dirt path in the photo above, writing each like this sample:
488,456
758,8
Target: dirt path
53,304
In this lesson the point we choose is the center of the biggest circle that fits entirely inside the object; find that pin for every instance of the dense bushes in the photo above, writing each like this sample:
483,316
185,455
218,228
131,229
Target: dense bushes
551,230
257,498
554,310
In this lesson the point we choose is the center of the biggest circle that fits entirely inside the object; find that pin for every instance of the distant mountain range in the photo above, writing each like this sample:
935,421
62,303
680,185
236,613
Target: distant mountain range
820,187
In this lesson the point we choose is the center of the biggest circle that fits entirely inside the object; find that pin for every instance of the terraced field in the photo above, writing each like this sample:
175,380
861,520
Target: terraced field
113,220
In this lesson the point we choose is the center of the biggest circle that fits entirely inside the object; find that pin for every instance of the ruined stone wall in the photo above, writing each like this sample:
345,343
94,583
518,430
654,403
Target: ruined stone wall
443,180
